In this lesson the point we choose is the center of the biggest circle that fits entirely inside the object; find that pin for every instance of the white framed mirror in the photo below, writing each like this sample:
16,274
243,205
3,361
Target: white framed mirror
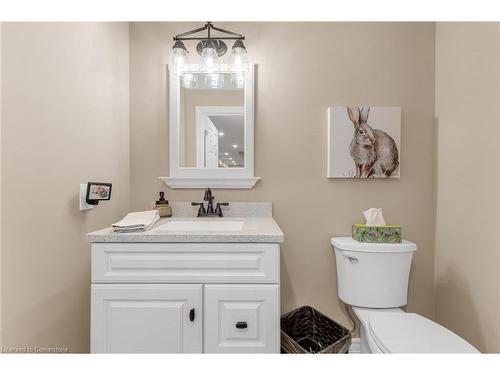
211,127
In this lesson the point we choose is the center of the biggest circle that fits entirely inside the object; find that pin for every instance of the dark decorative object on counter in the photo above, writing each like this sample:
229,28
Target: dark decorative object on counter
306,330
164,210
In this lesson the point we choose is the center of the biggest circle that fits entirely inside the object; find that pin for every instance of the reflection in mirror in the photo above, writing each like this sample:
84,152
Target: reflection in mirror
211,121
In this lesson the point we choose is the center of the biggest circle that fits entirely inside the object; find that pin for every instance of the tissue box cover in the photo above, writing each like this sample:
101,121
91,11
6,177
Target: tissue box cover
382,234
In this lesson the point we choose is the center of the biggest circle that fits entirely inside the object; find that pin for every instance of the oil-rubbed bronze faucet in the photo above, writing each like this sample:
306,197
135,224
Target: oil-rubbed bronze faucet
208,197
209,211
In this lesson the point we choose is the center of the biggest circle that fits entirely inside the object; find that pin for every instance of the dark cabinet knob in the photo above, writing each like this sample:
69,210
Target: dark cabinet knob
191,315
241,325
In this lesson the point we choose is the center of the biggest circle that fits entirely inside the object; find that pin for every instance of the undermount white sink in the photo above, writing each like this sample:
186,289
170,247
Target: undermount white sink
201,226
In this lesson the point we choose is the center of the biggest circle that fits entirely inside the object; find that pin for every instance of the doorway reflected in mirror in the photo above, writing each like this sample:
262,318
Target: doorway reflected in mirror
212,121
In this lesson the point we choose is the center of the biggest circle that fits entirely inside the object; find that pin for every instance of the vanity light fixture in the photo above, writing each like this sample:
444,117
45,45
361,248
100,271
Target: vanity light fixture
209,57
234,146
210,48
238,59
178,57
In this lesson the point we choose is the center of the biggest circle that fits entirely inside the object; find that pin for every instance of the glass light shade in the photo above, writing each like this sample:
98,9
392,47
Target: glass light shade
238,60
209,59
179,56
214,80
238,80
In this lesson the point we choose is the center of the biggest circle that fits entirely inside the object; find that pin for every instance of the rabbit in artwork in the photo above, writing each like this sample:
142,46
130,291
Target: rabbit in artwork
374,152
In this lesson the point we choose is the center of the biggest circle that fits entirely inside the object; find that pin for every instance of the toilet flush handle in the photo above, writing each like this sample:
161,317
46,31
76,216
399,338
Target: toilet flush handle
351,259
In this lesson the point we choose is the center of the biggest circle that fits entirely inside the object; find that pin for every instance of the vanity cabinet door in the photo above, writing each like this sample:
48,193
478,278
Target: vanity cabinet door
242,319
146,318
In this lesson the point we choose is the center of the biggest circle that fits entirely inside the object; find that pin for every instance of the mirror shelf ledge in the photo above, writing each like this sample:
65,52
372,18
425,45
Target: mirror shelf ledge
216,182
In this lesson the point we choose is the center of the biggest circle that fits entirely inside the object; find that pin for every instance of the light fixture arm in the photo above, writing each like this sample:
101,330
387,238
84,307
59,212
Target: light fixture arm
208,26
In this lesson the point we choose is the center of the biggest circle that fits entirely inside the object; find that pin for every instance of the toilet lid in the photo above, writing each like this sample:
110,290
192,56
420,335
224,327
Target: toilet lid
412,333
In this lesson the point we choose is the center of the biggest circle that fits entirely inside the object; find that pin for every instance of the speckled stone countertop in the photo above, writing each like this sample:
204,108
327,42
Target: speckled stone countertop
258,226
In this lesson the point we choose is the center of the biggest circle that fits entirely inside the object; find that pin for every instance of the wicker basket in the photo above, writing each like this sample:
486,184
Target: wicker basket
306,330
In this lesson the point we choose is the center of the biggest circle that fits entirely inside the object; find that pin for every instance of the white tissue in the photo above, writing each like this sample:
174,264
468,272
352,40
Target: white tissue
374,217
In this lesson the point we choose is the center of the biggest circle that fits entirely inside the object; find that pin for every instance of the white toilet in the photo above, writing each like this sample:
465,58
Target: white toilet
373,278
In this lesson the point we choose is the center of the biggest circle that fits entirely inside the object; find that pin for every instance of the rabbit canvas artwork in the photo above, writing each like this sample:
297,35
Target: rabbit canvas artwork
364,142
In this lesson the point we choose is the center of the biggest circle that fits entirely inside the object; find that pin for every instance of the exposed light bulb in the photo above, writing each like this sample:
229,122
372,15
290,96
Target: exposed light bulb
238,60
221,134
234,146
179,56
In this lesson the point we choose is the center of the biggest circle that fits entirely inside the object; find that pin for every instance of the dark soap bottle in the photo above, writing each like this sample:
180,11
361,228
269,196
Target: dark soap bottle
164,210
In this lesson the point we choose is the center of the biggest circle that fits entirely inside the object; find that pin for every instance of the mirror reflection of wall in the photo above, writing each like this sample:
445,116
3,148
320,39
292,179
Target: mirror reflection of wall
211,126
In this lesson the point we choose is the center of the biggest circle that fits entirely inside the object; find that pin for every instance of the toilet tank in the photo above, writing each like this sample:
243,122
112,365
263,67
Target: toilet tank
373,274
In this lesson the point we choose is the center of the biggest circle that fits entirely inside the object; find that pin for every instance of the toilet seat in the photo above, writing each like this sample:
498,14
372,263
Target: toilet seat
412,333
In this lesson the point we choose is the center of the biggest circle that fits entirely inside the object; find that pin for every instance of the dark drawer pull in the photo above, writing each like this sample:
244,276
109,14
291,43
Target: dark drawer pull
241,325
191,315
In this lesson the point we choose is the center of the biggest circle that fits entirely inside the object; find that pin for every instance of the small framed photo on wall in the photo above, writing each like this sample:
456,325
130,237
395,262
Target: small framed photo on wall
98,191
364,142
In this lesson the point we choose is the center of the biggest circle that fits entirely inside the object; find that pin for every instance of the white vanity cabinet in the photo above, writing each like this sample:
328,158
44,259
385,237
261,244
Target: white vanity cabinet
148,318
185,298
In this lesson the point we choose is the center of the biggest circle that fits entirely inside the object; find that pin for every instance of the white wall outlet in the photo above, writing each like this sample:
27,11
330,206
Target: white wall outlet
83,202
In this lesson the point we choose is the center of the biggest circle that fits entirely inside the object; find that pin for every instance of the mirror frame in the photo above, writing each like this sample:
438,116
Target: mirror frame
192,177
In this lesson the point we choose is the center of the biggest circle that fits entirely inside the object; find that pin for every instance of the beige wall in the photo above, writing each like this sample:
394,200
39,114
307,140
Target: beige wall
303,69
468,181
65,120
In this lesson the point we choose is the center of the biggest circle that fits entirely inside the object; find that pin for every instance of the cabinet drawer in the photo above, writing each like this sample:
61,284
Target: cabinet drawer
185,262
241,319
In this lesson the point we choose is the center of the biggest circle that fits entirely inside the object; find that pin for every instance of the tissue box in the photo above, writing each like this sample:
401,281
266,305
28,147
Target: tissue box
382,234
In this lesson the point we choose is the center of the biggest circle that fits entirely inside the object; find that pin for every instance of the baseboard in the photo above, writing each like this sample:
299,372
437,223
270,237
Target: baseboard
355,347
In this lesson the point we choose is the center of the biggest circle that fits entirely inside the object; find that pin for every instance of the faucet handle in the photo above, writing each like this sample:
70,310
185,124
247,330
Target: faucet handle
201,210
218,209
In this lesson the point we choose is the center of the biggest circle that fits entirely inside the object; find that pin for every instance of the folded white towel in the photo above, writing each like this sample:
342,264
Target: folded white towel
134,229
137,222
